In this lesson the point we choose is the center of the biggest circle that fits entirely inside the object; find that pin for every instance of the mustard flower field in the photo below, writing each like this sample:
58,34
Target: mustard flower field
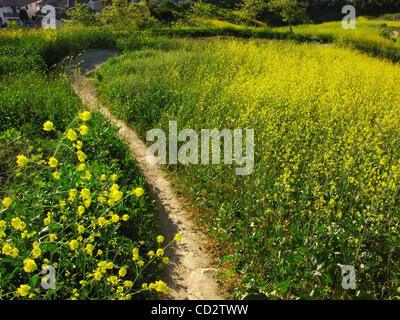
78,220
324,192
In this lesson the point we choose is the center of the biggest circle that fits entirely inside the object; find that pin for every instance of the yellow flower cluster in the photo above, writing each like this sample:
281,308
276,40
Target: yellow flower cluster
78,227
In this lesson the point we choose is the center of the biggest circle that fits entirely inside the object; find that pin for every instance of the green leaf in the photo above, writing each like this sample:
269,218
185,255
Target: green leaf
222,236
34,280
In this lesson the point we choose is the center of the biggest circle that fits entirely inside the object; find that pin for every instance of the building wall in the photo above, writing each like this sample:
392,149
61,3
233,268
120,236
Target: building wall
32,8
2,20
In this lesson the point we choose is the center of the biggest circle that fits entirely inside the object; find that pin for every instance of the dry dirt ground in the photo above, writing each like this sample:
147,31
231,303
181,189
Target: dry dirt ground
189,274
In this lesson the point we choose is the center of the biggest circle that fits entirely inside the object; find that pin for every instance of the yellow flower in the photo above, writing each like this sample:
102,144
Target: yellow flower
151,254
52,237
14,253
18,224
165,260
102,266
125,217
102,221
115,218
97,275
47,221
71,135
160,239
138,192
83,129
29,265
81,155
161,286
85,194
140,263
87,203
81,229
159,252
7,249
115,195
122,272
48,126
73,244
62,204
7,202
101,199
22,160
89,249
113,280
36,252
78,145
87,175
23,290
85,115
128,284
53,162
110,265
144,286
81,210
114,177
72,194
81,167
178,237
56,175
99,252
103,177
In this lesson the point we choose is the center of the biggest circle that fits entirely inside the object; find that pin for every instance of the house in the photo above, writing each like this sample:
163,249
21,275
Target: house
63,5
17,10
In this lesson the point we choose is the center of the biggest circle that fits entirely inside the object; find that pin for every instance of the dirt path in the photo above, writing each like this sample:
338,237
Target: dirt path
189,274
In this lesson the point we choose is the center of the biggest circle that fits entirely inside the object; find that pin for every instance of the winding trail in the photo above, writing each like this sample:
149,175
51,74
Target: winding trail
188,274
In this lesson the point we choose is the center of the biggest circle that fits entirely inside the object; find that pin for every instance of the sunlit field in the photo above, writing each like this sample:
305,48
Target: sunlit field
72,200
76,202
372,36
324,190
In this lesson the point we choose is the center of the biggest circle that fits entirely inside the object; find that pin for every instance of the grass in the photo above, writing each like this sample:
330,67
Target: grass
71,200
368,37
324,190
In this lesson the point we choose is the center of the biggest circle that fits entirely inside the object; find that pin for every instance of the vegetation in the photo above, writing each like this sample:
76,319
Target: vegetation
371,36
324,191
71,196
291,11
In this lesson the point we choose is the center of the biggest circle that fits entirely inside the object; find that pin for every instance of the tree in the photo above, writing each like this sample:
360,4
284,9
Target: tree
82,16
124,15
291,11
253,8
